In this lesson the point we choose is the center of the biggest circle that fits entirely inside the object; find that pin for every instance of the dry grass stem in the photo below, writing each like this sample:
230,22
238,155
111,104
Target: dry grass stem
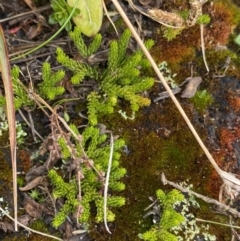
109,18
10,109
205,199
203,46
40,9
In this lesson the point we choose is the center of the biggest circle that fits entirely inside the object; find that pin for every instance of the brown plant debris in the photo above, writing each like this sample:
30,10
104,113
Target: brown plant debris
169,18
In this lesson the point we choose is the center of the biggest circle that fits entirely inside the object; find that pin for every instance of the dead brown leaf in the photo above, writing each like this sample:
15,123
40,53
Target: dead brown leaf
35,172
40,17
191,87
6,227
35,182
33,208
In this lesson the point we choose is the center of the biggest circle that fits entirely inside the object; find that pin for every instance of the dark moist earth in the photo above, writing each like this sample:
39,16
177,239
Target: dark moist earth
156,141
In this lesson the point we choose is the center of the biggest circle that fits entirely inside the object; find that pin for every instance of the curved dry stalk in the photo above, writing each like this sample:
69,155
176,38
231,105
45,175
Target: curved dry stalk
226,208
203,46
217,223
228,178
107,182
109,18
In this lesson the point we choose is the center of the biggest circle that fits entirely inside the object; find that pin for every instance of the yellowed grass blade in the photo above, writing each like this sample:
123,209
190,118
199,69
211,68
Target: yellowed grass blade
7,82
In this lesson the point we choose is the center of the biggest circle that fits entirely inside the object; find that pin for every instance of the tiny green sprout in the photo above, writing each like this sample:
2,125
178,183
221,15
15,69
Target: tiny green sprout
61,13
201,100
204,19
66,116
34,194
171,33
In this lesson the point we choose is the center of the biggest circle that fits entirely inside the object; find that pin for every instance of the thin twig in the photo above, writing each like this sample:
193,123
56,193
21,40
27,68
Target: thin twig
32,128
109,18
206,199
29,229
203,46
107,181
216,223
228,178
37,98
40,9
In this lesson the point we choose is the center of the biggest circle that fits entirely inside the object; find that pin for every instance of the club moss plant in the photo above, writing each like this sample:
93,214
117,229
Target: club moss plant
121,81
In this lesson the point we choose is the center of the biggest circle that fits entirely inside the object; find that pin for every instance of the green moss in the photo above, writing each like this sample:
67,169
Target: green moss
231,8
20,181
202,100
204,19
169,219
15,237
152,151
40,226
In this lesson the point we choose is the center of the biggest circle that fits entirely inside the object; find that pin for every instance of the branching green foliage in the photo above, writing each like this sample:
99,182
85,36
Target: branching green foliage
21,98
64,148
121,79
84,50
97,149
177,225
169,217
64,190
80,70
48,87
